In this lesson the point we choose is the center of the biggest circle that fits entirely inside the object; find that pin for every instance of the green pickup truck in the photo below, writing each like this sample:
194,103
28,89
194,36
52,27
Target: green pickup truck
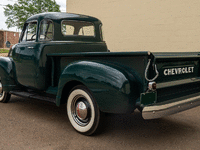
62,58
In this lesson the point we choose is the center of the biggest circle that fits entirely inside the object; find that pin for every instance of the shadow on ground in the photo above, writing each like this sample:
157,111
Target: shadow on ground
119,131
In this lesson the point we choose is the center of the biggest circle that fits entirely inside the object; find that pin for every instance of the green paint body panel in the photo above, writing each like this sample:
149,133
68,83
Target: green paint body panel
116,79
111,85
7,73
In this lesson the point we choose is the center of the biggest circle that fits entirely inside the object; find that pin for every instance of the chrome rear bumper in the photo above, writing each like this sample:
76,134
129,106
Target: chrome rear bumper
171,107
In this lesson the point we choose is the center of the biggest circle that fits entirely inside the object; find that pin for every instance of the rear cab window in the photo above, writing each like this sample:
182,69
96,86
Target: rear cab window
78,28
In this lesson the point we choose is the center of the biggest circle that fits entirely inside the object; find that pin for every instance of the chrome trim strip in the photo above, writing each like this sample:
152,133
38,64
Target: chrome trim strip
158,111
178,82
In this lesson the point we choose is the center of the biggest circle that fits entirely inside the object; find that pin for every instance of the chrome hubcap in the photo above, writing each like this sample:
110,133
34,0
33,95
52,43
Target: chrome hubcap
81,110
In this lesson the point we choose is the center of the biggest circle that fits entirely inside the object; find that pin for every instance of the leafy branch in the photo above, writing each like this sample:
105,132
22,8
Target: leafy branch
19,12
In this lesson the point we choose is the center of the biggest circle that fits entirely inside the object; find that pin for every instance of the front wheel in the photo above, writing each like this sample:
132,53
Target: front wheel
4,96
82,110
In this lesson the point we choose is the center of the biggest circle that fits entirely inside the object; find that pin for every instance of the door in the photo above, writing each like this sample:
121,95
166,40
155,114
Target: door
25,55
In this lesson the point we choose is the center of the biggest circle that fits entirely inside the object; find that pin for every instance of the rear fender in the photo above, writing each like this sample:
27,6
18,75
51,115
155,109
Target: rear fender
6,73
111,86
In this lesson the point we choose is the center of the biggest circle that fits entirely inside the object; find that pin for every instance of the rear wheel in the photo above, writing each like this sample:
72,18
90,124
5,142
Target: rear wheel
82,110
4,96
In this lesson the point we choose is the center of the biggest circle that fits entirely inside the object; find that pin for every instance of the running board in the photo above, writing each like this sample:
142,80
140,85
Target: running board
33,95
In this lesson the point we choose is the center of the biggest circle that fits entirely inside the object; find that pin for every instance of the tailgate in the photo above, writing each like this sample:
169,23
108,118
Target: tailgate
178,75
178,85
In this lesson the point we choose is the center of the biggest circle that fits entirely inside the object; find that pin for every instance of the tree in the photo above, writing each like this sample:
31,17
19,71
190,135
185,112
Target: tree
18,13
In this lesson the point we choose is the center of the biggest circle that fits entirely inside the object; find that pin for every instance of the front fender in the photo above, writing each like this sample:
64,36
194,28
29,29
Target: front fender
111,85
6,73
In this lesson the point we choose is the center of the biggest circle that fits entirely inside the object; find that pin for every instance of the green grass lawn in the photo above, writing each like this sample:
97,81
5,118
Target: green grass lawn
4,51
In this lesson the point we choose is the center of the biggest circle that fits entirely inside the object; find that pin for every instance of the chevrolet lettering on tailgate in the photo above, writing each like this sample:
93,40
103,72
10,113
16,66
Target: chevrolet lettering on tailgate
176,71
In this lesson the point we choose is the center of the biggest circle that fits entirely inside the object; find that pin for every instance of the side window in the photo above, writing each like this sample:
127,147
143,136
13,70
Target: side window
30,32
46,30
77,28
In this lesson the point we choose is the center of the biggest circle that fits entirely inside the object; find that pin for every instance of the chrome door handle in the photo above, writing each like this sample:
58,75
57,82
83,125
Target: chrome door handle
31,47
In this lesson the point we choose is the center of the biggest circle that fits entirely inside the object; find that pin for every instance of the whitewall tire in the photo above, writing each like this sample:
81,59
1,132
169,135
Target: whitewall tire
4,96
82,110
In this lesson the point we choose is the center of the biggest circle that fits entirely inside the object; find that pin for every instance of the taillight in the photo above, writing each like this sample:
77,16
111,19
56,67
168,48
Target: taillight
152,86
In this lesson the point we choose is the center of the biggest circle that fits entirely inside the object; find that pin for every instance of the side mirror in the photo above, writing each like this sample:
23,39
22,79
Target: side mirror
8,44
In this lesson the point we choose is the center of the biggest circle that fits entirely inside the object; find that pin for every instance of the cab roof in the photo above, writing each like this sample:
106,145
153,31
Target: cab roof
61,16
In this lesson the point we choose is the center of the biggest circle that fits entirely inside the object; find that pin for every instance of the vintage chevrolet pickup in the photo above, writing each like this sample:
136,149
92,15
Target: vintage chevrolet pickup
62,58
